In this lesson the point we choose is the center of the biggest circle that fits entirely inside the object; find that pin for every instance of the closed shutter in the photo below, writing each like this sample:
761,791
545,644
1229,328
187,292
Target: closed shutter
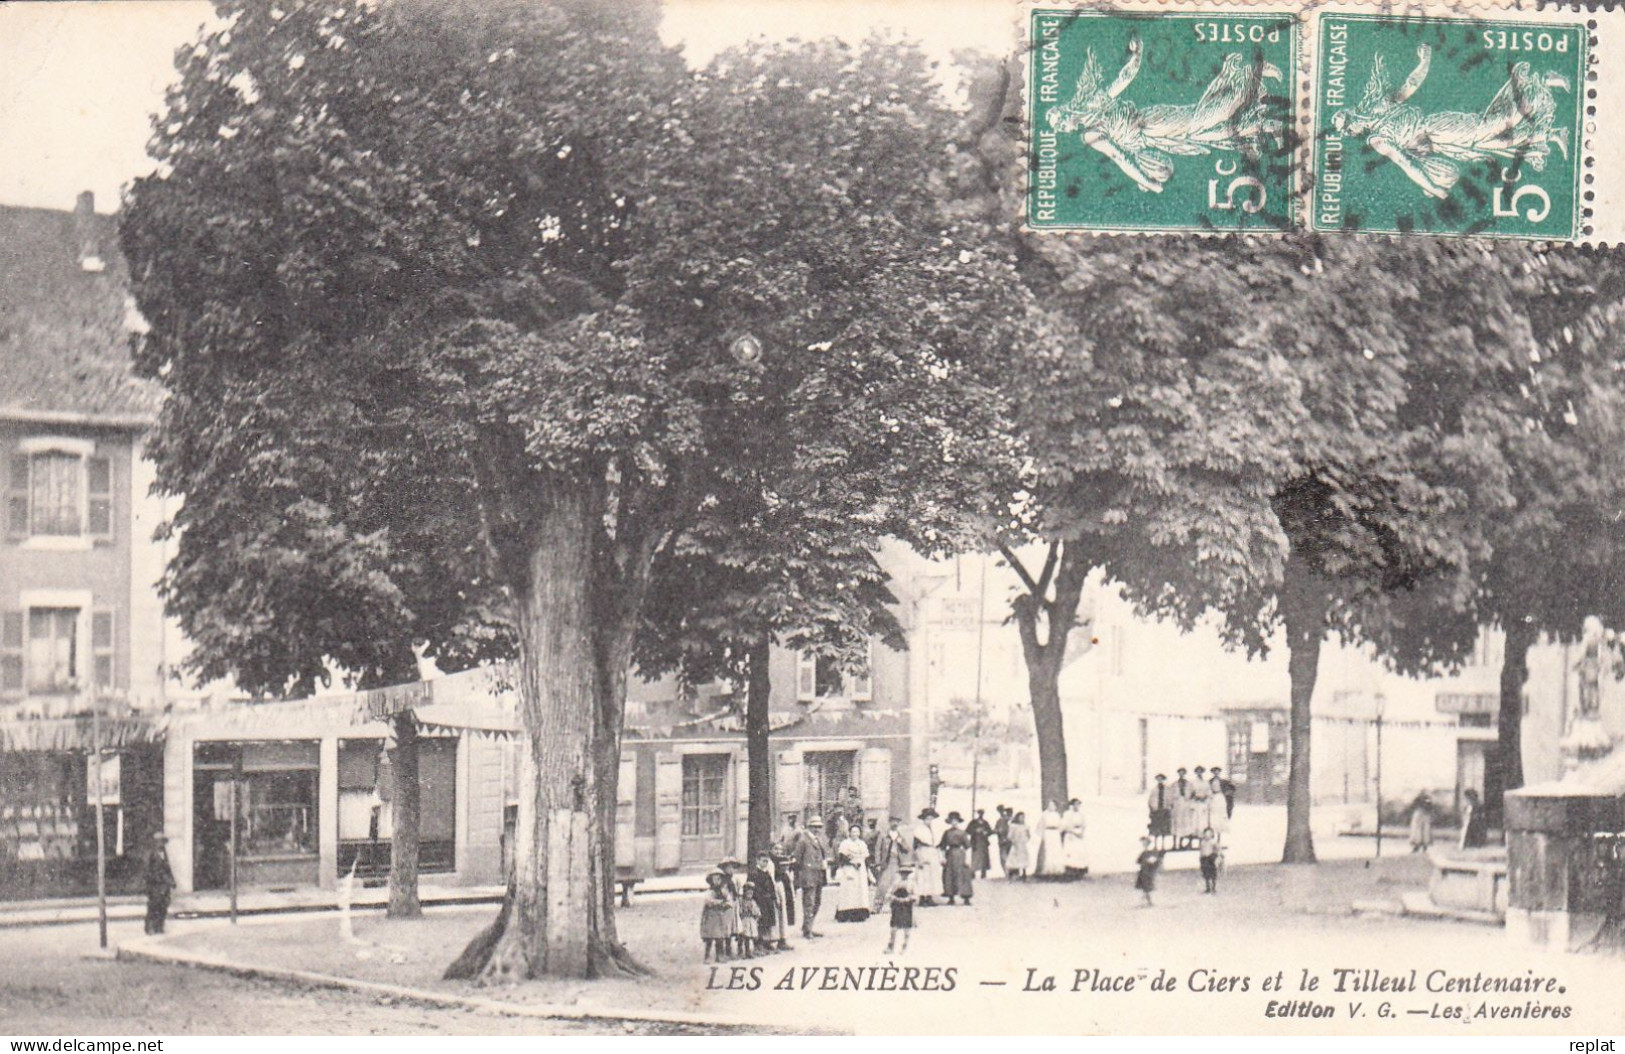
101,642
792,785
806,677
668,810
626,787
99,494
863,681
741,773
11,653
874,778
17,496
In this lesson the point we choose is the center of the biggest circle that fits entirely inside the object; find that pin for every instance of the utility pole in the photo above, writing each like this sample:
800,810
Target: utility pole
101,827
236,791
981,631
1382,703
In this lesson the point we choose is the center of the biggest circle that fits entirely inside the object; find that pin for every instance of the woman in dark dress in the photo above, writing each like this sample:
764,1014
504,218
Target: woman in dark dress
1148,862
981,841
956,873
1474,831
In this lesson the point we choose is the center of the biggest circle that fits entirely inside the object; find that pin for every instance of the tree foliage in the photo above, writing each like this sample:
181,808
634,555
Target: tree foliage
443,300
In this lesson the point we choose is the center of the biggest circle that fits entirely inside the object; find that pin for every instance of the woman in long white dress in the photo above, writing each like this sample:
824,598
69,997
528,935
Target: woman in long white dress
1074,850
927,859
852,900
1017,861
1218,809
1051,853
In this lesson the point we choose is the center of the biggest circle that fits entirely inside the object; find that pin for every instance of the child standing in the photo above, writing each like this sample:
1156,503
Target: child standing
902,910
716,918
1148,861
1208,855
749,921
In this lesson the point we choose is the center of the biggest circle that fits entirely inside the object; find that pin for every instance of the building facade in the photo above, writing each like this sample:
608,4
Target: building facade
75,602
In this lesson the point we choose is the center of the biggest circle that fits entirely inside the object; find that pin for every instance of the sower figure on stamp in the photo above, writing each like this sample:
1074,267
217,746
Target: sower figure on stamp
1431,149
1142,142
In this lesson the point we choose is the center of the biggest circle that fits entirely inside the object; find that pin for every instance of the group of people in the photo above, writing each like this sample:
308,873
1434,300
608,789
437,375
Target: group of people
748,912
1184,812
1474,824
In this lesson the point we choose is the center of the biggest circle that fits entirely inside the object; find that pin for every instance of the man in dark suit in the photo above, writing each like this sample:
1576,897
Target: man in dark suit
160,883
811,855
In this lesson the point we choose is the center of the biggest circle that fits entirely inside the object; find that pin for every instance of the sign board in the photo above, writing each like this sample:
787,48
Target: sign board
1467,702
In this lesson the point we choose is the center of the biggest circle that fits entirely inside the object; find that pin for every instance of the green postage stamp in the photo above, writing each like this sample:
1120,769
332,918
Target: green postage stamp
1449,126
1161,120
1455,118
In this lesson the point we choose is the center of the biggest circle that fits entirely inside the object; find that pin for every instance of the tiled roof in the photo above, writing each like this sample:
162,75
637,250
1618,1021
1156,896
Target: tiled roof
64,331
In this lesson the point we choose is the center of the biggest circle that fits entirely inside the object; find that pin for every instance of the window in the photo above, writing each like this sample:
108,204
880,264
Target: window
821,677
51,656
59,493
705,807
40,651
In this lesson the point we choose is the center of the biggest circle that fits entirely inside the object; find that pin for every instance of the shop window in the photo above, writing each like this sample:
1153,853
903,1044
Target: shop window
366,813
59,493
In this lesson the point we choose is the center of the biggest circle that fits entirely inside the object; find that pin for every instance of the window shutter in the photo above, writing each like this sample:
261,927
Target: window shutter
99,488
791,786
863,681
806,677
17,497
668,810
626,787
874,778
11,653
102,650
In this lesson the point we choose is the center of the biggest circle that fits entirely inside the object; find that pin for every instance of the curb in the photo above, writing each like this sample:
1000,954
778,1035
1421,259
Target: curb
146,951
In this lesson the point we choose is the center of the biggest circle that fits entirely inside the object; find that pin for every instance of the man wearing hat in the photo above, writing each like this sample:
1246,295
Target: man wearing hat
888,857
811,856
160,881
1160,804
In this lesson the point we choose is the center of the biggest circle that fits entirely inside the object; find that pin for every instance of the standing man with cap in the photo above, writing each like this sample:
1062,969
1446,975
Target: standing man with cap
811,855
160,881
1001,833
1160,804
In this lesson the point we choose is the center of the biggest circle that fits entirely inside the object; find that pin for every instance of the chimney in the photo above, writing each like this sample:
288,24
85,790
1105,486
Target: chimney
84,233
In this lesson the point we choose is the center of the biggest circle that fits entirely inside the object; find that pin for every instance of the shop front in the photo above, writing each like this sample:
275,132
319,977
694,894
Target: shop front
49,789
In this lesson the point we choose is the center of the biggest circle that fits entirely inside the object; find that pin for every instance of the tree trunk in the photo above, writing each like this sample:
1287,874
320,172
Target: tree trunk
1046,699
1044,659
759,748
403,860
1520,637
1303,611
561,918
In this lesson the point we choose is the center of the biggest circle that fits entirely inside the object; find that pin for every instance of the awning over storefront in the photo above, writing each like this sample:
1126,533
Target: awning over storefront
79,734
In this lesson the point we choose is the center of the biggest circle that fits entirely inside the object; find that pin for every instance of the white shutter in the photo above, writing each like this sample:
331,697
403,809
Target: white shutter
741,777
792,786
863,682
668,810
806,677
626,811
874,778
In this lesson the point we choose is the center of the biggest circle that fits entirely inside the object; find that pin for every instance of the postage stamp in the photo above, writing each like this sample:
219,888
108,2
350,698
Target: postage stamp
1162,120
1444,125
